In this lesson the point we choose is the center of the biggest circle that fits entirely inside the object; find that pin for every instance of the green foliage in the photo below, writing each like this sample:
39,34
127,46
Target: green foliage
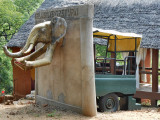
52,114
147,102
101,51
13,13
27,6
6,80
10,20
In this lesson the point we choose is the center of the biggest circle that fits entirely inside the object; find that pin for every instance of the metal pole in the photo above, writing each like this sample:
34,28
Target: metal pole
94,49
125,66
106,51
107,46
135,53
115,57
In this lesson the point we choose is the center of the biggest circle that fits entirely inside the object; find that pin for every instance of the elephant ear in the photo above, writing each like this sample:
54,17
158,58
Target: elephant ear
59,27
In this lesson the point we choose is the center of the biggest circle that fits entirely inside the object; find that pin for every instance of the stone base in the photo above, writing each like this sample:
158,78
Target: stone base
56,105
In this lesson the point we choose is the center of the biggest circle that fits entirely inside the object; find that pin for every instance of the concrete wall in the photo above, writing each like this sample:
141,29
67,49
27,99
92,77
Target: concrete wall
68,82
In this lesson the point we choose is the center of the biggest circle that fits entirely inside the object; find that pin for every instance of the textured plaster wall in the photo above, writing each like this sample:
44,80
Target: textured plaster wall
61,80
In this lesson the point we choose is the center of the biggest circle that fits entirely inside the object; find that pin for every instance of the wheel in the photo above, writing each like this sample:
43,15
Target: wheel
108,103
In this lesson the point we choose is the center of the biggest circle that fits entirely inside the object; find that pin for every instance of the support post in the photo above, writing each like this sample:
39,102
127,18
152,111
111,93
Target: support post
147,64
154,74
89,107
112,64
94,50
115,54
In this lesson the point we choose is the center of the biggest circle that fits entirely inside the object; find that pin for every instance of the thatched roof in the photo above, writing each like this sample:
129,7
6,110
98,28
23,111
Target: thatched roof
138,16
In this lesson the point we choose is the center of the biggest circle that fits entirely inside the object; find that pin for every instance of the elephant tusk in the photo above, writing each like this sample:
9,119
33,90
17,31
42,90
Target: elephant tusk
13,55
29,49
30,43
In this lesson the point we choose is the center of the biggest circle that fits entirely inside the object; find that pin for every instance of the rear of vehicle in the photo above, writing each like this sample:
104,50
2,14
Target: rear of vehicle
116,79
116,92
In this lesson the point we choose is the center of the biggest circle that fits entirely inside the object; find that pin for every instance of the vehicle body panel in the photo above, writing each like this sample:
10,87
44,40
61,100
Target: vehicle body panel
105,84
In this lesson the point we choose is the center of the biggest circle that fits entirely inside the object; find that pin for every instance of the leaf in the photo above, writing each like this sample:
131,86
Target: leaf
52,114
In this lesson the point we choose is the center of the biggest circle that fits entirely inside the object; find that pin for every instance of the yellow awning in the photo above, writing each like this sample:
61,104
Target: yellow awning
124,41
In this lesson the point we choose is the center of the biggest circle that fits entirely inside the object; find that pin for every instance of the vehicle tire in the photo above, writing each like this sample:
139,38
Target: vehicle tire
108,103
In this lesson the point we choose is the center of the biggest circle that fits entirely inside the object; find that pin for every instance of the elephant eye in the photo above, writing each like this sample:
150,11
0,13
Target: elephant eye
43,29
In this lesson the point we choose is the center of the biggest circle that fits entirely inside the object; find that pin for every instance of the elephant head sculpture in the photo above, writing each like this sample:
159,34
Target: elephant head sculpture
50,33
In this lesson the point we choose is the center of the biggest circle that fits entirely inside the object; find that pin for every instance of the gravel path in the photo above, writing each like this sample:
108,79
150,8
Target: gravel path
27,110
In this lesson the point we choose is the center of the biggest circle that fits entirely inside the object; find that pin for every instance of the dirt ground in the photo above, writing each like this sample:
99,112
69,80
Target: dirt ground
28,110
